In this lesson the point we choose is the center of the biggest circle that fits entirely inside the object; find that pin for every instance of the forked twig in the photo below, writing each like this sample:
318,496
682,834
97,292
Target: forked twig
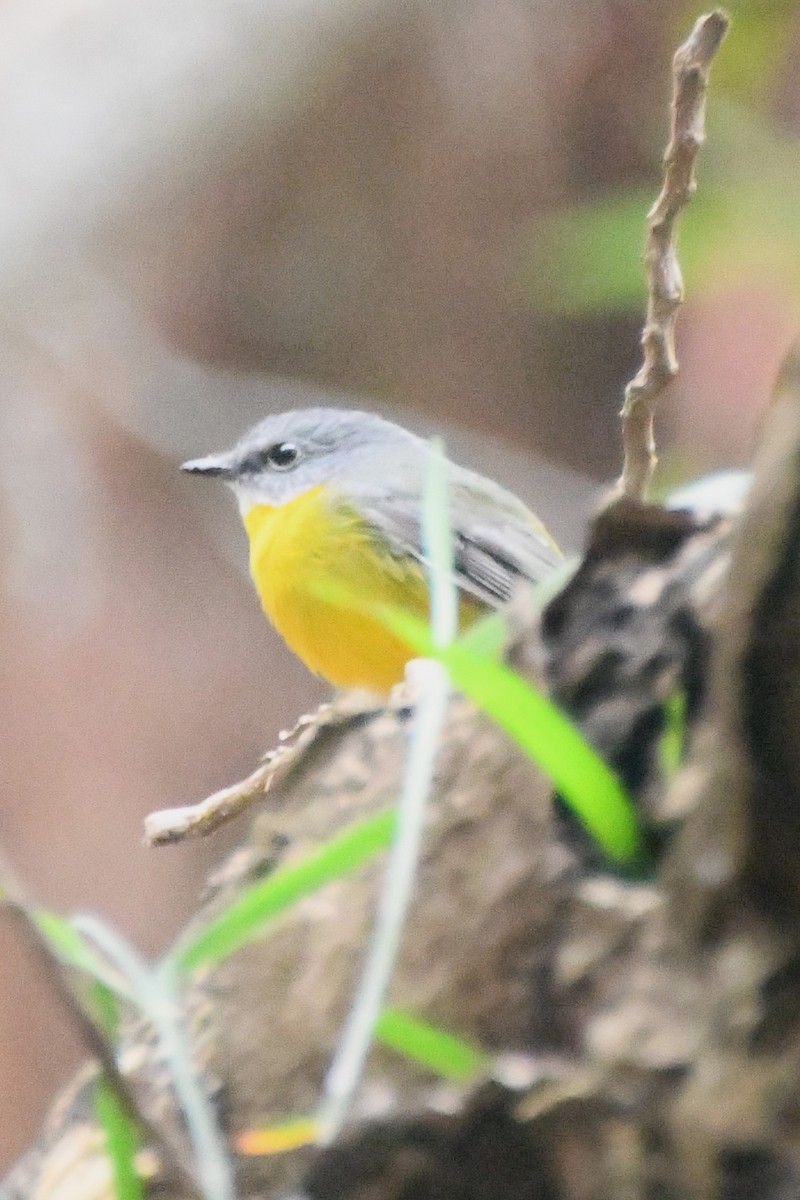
690,72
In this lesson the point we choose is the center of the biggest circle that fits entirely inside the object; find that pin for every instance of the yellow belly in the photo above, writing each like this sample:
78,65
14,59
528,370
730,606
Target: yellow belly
294,550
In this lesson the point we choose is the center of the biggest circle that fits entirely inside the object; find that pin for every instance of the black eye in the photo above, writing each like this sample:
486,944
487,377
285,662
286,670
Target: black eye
282,456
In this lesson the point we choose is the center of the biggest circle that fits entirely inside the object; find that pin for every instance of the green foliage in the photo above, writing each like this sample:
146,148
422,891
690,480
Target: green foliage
586,783
442,1053
750,68
71,948
437,1050
265,900
743,224
100,1002
672,743
122,1141
586,258
155,991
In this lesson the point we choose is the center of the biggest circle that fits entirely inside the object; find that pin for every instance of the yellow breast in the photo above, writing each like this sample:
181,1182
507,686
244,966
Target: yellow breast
294,549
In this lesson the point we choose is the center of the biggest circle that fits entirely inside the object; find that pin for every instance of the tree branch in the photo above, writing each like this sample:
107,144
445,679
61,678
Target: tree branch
690,70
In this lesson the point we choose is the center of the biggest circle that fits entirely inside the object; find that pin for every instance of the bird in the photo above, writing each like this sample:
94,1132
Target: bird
331,495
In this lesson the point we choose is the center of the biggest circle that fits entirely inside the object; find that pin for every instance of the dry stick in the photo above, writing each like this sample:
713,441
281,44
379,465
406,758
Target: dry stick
198,820
690,71
168,825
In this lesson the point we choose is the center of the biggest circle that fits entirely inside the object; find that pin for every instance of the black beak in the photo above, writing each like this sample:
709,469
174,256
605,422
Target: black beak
214,465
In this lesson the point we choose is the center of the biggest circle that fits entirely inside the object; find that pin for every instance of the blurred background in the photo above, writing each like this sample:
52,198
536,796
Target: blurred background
214,209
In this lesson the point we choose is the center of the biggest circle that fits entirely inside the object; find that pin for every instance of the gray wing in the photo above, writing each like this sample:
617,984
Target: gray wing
497,540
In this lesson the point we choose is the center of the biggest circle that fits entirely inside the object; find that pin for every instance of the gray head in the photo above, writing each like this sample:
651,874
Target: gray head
289,453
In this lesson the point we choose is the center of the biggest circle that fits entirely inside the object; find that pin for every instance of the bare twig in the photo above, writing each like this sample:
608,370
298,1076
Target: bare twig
690,71
168,825
197,820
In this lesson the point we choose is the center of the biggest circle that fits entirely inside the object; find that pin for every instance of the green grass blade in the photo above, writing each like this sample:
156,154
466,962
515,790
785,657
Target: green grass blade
65,941
72,949
587,784
672,743
285,886
488,636
157,994
105,1010
349,1061
583,779
444,1053
122,1141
